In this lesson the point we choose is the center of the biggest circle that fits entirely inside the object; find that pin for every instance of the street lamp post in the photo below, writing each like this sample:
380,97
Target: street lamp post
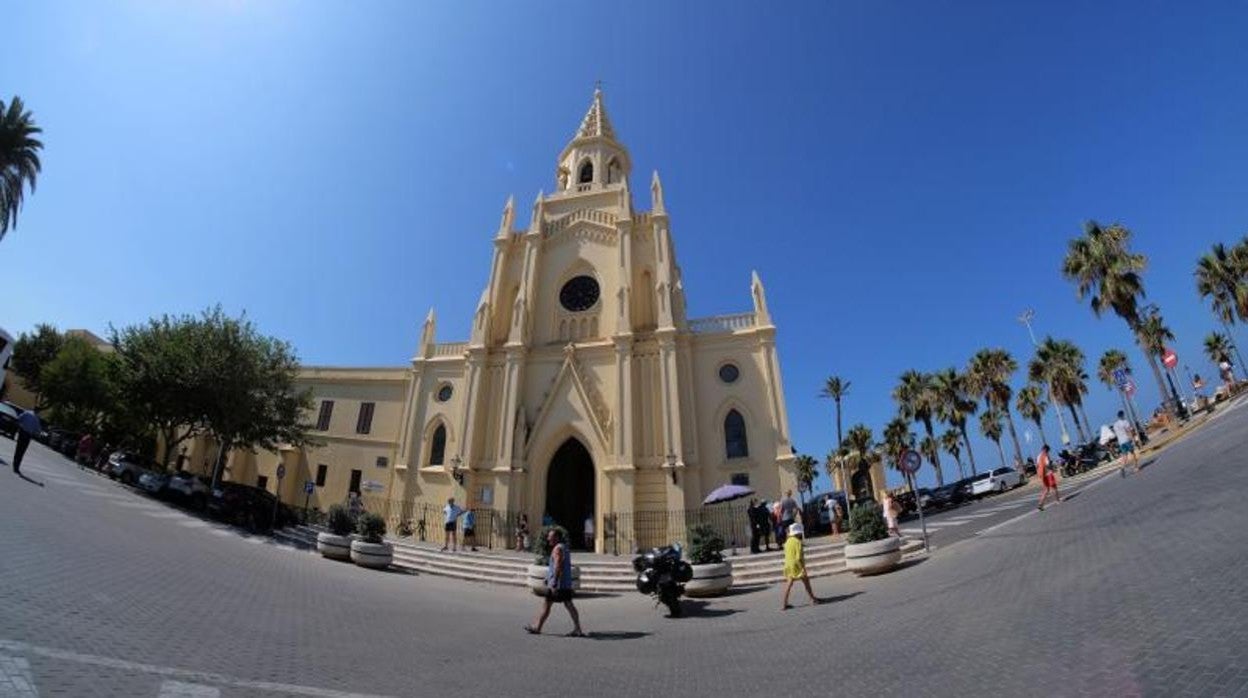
1026,319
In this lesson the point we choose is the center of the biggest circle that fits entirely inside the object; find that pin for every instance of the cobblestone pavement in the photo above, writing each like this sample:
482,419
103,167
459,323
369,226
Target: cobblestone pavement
1134,586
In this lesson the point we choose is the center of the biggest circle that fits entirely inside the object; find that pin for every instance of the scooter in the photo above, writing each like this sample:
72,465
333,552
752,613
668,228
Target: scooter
662,574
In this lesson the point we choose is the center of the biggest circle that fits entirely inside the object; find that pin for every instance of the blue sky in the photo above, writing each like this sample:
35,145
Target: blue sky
904,176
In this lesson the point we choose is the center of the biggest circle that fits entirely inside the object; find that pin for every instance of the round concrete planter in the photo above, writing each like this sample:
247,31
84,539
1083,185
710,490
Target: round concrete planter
374,555
710,580
875,557
334,547
536,578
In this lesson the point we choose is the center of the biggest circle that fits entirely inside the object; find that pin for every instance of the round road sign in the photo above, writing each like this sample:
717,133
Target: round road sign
1169,358
910,461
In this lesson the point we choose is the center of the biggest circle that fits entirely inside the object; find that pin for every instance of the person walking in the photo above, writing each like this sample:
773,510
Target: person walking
558,586
766,527
1048,473
890,514
470,529
1125,434
522,533
757,515
450,520
795,565
838,516
28,425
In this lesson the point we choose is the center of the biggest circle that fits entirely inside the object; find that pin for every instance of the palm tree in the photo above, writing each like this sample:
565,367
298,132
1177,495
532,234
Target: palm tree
858,450
1112,361
951,441
1101,266
954,405
804,467
1060,364
19,159
990,426
1154,333
989,375
1220,277
1218,349
1031,405
836,388
917,399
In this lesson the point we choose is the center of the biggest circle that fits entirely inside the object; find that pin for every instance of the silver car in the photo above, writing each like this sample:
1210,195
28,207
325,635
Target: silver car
153,482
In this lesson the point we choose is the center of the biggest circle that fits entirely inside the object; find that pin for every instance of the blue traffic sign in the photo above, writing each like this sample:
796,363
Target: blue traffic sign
309,486
1120,377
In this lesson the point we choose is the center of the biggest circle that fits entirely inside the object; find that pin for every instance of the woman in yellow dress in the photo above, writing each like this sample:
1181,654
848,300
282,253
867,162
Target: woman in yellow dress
795,565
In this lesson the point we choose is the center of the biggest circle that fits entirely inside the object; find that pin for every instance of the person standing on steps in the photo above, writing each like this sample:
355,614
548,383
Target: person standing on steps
450,518
1048,472
470,529
558,586
589,532
1126,444
795,566
28,425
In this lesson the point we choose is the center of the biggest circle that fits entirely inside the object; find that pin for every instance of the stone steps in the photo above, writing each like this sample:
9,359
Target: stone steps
598,574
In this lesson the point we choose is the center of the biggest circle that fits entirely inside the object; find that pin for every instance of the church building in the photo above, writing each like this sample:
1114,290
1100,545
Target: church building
583,391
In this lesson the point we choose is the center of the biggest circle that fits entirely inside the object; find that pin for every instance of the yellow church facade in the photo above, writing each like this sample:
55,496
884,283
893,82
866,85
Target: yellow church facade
583,390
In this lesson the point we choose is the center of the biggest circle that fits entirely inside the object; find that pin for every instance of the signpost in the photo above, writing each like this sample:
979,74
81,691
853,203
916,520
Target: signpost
308,488
281,473
1120,377
910,462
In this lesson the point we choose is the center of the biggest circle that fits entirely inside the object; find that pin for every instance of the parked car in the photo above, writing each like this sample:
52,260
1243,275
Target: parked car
153,482
250,507
998,480
8,420
193,488
950,495
127,467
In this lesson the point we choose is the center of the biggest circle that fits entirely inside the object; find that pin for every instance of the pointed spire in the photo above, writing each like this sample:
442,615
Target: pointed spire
535,222
762,316
656,195
596,122
427,333
509,216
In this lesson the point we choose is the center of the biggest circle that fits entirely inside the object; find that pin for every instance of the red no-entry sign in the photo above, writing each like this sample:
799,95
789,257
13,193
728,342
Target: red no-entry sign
1169,358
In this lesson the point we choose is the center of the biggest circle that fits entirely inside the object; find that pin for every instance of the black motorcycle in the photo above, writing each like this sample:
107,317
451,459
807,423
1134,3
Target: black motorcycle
662,574
1085,457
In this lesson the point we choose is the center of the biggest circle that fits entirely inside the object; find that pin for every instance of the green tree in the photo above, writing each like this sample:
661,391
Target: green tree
990,427
79,386
955,406
1114,360
1103,268
804,467
1031,405
896,439
19,160
858,451
916,397
836,388
1059,363
31,353
1218,348
951,441
1222,277
989,375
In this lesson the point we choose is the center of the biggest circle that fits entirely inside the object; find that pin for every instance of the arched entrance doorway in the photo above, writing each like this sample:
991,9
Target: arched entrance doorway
570,489
861,480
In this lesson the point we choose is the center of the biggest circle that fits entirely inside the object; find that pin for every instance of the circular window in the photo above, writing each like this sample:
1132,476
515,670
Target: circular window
444,393
729,373
580,293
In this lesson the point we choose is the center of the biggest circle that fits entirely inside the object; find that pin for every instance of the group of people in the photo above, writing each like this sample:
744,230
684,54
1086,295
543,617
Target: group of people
774,519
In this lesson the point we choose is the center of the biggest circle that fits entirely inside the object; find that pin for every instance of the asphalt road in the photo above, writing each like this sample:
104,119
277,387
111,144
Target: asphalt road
1132,587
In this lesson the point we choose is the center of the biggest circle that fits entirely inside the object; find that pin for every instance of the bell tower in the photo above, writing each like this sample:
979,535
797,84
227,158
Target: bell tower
593,159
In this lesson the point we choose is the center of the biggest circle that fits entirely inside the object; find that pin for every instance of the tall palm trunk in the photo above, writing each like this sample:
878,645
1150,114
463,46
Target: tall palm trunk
1084,413
1009,421
961,472
966,440
1040,428
940,480
838,424
1074,416
1161,382
1002,452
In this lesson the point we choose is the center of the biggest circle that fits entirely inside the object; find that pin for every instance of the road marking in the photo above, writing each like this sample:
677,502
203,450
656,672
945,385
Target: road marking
16,680
178,689
1033,512
970,517
200,677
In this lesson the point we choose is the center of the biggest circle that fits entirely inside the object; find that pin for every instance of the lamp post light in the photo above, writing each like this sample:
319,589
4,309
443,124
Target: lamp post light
1026,318
456,471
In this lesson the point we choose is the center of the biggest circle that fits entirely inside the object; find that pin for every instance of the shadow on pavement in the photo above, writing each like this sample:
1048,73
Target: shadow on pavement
701,609
912,562
30,480
745,589
617,635
842,597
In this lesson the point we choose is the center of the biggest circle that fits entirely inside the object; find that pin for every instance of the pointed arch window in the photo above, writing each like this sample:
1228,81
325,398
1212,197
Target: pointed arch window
437,449
736,445
586,174
615,174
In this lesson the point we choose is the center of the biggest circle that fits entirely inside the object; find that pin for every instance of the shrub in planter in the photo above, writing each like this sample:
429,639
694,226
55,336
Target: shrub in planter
370,550
869,549
711,575
541,560
336,543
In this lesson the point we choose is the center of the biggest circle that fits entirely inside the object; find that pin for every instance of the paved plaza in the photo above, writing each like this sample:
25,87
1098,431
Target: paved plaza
1132,587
